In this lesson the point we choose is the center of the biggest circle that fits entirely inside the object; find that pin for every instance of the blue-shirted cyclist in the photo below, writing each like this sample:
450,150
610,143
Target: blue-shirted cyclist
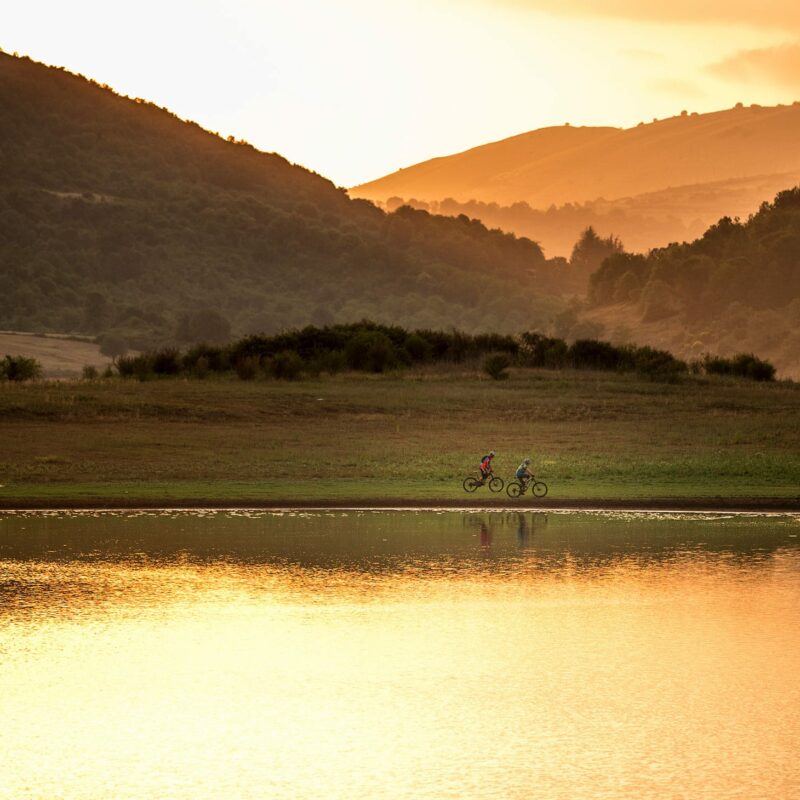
524,474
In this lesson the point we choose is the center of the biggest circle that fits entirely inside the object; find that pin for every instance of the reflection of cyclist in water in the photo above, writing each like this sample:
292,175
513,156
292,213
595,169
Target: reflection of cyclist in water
522,530
486,536
527,525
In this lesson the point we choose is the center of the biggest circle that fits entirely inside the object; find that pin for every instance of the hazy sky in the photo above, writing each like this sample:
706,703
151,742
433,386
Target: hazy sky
357,88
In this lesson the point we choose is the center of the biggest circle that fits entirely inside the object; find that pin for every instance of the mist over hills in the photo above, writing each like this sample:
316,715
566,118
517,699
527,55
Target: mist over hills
654,219
117,215
652,184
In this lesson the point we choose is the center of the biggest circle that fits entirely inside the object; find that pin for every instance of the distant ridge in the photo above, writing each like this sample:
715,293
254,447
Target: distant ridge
568,164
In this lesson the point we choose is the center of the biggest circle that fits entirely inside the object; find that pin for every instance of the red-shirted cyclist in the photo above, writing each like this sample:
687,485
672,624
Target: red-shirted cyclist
486,466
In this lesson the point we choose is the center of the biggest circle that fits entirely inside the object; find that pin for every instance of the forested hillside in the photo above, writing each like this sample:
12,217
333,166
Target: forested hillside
115,215
737,288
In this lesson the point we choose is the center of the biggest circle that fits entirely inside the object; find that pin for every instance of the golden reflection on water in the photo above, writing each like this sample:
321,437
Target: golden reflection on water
398,656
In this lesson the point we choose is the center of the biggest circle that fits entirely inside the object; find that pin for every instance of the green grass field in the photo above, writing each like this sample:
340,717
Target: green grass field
594,437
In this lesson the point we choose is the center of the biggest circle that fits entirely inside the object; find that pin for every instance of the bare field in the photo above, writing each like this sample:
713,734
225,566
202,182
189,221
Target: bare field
60,357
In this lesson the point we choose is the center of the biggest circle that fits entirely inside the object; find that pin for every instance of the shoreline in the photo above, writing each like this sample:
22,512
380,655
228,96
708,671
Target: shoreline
664,505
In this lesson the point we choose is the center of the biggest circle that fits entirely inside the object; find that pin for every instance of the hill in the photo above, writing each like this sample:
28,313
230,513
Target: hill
736,288
707,166
115,215
567,164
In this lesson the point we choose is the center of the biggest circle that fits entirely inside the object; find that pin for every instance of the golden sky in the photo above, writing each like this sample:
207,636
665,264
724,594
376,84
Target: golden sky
357,88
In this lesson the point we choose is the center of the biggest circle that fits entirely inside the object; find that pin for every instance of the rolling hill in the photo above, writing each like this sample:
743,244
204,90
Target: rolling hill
657,182
117,216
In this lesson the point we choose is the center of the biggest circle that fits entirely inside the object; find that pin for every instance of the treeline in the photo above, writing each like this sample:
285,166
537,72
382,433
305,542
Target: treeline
117,217
553,353
364,347
641,222
375,348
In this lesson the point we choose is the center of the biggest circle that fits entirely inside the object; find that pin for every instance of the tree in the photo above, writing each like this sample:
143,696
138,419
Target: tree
95,311
371,351
496,366
589,253
205,325
626,288
113,345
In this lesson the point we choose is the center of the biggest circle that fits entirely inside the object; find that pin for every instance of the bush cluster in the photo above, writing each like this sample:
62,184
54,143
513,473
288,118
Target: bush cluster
742,365
364,347
374,348
367,347
543,351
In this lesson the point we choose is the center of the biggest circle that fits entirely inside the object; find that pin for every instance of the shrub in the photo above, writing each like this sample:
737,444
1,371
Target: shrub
166,361
201,368
749,366
496,366
286,365
657,364
418,348
371,351
332,363
542,351
742,365
247,367
140,366
19,368
594,354
215,359
125,366
89,373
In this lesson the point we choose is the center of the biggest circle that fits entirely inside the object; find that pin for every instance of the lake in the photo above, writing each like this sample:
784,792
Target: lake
399,654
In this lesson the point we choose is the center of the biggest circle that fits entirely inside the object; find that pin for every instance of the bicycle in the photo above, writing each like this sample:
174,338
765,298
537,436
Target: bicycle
516,488
471,483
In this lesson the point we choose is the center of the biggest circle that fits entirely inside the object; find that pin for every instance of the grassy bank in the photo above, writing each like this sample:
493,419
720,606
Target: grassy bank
592,437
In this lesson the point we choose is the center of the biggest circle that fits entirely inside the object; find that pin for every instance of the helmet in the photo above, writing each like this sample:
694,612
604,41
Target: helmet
491,453
527,461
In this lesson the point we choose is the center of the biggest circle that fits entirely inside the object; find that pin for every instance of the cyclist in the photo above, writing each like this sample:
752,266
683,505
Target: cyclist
486,466
523,474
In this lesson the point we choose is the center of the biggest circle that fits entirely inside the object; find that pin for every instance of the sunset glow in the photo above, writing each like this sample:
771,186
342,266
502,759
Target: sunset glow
354,89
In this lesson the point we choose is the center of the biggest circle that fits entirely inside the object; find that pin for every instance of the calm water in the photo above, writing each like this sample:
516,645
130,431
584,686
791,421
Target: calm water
399,654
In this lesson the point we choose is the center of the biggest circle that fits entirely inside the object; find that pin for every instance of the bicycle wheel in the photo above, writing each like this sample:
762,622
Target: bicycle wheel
540,488
513,489
470,484
496,484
